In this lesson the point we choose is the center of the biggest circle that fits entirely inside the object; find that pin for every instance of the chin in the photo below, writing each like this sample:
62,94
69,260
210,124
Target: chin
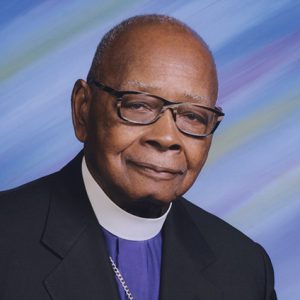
148,207
154,196
162,191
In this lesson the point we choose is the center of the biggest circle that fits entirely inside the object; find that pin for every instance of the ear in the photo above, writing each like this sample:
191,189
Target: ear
81,102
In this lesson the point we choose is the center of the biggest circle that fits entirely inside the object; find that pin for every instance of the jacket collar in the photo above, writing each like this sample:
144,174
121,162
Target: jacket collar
69,212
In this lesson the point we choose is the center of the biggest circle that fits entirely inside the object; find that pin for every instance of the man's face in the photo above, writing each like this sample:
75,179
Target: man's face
154,161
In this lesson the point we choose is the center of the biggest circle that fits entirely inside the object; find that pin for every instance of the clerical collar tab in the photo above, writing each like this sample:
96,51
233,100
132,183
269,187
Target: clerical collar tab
116,220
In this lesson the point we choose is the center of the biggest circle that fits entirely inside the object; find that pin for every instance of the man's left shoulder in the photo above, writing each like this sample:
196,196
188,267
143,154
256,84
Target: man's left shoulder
220,235
239,265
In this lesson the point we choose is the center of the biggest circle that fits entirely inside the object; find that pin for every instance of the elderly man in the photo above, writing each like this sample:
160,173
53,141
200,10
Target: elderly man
112,224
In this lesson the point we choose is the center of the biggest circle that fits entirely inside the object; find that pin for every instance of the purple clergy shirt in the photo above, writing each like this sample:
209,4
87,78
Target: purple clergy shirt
139,263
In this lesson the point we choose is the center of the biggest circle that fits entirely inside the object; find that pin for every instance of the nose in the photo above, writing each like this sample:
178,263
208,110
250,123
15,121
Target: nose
163,134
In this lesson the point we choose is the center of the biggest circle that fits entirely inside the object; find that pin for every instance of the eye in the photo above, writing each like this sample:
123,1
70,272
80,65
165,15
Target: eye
194,117
136,105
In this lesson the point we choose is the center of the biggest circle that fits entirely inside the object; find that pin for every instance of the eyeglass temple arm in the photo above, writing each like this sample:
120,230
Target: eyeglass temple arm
105,88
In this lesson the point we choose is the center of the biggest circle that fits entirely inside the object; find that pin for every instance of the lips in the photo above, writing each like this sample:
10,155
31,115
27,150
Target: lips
158,172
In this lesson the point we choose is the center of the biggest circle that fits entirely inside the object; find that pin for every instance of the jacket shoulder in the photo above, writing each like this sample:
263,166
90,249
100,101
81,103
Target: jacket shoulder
23,210
26,195
236,252
215,226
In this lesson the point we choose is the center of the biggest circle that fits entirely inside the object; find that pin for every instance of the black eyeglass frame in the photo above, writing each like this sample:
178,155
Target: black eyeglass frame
167,105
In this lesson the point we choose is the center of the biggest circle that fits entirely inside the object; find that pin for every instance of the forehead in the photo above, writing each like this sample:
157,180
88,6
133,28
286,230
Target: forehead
162,60
142,86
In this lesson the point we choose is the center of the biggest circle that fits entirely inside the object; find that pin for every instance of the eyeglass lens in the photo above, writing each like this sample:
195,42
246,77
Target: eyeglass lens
145,109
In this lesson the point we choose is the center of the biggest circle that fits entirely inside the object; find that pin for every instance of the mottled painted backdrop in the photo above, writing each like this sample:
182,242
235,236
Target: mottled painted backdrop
252,178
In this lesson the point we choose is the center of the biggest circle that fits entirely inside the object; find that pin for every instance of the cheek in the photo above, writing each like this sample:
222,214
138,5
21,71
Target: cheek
102,138
116,138
106,133
196,155
111,140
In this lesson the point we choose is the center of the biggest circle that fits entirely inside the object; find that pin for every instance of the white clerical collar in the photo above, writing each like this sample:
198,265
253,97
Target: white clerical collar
116,220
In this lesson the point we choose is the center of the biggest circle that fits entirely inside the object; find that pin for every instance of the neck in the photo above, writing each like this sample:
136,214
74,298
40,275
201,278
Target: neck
145,208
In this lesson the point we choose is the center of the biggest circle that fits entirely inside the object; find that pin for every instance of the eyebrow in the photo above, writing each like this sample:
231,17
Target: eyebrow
195,97
140,84
147,87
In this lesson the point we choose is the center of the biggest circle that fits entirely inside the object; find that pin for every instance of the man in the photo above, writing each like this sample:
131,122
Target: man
112,224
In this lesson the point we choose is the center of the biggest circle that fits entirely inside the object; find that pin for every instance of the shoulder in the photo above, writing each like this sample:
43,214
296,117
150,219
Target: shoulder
24,196
24,209
210,224
29,203
23,215
224,239
236,253
239,260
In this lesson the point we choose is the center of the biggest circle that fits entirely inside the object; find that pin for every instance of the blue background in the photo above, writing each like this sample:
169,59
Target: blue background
253,173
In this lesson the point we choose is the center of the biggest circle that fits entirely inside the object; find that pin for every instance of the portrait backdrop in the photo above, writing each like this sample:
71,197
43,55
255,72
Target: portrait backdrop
252,177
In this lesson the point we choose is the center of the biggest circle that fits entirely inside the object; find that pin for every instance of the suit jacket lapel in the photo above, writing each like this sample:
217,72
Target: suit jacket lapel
73,234
185,257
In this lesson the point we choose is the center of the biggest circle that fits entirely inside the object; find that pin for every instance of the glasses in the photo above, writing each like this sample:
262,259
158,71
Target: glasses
142,108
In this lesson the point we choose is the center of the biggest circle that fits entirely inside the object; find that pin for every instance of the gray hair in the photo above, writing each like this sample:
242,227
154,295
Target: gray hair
111,36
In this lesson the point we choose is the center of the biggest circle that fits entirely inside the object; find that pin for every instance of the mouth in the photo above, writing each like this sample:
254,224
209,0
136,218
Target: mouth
157,172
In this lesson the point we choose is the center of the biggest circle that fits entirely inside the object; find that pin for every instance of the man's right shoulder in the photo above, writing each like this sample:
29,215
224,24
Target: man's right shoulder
27,196
23,213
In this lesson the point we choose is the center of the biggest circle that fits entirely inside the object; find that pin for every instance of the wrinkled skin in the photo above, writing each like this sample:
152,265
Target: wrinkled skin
143,168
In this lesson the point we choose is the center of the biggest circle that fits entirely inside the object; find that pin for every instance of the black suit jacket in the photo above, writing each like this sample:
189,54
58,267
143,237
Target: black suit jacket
52,247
